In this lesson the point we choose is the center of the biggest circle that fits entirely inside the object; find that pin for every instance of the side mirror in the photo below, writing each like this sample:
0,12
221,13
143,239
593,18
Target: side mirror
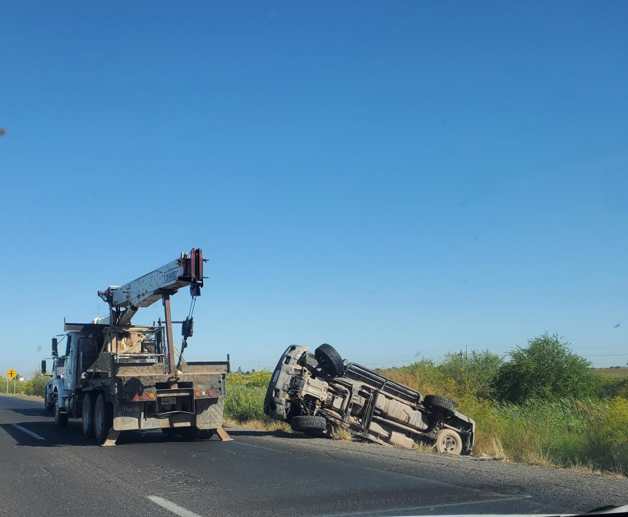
43,367
54,347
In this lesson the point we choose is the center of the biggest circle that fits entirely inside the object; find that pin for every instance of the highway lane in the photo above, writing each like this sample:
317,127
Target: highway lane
47,470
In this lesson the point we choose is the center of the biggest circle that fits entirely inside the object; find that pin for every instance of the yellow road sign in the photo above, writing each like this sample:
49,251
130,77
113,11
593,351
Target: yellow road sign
11,374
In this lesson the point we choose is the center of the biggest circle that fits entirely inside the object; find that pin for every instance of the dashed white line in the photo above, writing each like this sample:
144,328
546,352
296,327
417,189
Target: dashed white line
171,507
28,432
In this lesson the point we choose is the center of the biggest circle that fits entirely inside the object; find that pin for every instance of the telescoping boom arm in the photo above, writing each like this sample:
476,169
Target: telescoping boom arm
124,301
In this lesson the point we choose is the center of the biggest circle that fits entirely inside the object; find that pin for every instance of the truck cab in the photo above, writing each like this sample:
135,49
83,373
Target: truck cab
55,384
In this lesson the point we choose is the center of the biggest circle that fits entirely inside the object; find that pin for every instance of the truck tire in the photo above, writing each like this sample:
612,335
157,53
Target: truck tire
51,402
448,441
61,417
329,360
102,419
437,402
49,405
87,415
310,425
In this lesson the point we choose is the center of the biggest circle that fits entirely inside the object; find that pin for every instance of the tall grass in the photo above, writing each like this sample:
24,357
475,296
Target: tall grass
245,396
568,432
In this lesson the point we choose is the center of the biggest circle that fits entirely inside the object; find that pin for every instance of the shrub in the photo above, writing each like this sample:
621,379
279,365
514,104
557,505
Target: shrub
36,385
473,373
544,370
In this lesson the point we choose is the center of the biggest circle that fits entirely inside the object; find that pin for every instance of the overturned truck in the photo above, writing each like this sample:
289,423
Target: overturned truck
317,392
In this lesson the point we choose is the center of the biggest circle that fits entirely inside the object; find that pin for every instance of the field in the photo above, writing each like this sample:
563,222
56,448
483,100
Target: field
614,373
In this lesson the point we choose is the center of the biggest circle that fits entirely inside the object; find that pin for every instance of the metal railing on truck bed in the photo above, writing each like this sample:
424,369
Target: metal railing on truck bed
368,376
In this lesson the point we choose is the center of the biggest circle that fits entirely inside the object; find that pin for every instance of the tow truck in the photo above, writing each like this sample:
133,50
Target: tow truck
118,377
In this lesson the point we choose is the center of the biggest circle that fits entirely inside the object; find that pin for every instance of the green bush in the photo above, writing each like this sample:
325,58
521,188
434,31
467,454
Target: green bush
473,373
546,370
36,385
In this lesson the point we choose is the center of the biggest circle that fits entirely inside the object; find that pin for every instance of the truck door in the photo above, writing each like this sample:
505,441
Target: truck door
70,367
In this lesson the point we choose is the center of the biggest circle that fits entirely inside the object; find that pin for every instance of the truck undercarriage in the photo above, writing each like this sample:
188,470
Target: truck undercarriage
317,392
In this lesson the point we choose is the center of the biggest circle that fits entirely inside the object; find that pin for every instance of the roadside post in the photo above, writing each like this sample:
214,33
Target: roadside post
11,375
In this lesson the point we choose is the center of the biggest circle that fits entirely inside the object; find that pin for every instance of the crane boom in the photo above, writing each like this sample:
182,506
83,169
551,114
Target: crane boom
124,301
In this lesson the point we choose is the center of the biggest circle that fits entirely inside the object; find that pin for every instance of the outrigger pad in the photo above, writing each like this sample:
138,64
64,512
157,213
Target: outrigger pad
223,435
111,439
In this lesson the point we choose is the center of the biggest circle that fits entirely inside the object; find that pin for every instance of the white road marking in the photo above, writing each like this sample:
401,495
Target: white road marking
28,432
171,507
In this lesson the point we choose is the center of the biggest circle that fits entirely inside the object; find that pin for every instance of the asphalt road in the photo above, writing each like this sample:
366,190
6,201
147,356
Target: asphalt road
45,470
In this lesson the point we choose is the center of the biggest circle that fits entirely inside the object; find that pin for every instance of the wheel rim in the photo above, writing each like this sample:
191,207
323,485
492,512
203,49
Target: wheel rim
450,444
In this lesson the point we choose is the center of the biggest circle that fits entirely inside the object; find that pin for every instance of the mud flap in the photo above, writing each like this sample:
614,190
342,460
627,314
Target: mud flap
223,435
111,439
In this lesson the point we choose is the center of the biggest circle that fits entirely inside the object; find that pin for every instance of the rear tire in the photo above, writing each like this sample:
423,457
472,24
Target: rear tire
310,425
51,402
102,419
329,360
448,441
439,402
87,416
48,405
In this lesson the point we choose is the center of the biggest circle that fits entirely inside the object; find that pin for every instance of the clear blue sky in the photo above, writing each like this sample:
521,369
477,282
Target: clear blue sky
400,179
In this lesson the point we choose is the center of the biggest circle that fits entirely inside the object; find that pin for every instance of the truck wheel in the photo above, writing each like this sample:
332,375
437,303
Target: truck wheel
329,360
310,425
87,416
448,441
102,419
439,402
61,417
48,405
51,402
